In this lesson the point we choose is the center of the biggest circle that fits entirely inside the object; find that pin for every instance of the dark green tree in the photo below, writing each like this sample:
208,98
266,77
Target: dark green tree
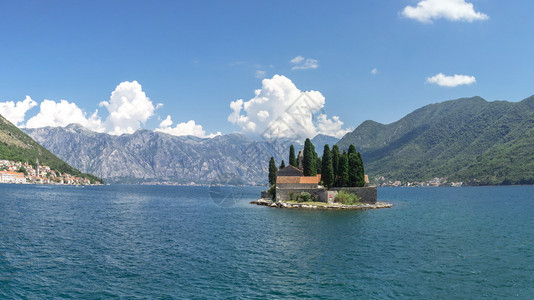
327,170
23,170
335,161
352,149
282,165
272,171
343,178
318,163
360,174
353,169
308,162
292,159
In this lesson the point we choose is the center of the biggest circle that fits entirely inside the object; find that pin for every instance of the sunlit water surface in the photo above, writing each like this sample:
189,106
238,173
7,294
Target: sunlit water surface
176,242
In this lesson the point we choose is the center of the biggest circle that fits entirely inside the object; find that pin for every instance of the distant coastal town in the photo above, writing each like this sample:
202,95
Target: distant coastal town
24,173
435,182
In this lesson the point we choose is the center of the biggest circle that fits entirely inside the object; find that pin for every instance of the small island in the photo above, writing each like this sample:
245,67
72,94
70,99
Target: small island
334,181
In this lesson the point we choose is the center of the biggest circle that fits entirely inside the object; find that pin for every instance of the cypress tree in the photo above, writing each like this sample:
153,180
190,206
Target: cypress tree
327,174
292,159
272,171
343,177
352,149
335,161
282,165
318,164
353,169
308,163
360,178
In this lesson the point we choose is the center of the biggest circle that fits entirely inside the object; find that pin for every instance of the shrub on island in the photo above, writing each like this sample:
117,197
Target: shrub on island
347,198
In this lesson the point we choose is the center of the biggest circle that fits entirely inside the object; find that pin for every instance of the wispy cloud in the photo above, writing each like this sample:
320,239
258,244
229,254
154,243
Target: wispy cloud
260,74
374,71
451,81
302,63
454,10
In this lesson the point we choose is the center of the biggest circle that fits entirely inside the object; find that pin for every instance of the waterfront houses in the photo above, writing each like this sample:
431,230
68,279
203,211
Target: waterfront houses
435,182
12,177
24,173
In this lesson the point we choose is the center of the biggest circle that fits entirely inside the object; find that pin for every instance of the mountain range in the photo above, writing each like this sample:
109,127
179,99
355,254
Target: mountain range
469,139
147,156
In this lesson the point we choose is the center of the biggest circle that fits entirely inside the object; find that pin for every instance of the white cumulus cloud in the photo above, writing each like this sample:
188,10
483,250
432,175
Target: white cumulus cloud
280,110
128,108
454,10
181,129
15,112
301,63
451,81
333,127
63,113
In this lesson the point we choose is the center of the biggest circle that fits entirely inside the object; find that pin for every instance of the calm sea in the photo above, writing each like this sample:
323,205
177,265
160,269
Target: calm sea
183,242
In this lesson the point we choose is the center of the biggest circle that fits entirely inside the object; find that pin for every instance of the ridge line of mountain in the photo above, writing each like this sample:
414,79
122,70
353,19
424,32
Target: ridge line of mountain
467,139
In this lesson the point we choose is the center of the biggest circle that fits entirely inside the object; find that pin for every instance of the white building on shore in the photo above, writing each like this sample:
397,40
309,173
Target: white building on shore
12,177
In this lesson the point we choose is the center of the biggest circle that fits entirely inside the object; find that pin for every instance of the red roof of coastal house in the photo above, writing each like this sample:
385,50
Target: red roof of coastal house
298,180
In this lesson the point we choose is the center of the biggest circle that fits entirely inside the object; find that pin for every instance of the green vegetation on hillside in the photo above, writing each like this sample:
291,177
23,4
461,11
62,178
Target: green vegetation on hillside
469,140
15,145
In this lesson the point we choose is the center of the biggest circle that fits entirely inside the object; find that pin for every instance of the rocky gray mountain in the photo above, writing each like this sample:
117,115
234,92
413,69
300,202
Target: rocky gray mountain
321,139
148,156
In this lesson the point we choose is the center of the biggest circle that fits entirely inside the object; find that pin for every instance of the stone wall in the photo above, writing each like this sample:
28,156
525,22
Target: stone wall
283,194
297,186
367,194
328,196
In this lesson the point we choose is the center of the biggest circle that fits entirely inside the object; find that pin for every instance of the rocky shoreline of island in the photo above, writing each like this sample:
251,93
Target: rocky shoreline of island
320,205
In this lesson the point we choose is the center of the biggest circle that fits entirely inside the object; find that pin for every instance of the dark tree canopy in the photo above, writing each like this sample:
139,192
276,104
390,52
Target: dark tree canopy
335,160
343,177
318,164
292,159
282,165
360,173
353,169
352,149
308,163
327,170
272,171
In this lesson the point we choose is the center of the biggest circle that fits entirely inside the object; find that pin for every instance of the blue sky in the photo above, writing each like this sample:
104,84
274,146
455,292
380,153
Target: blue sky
196,57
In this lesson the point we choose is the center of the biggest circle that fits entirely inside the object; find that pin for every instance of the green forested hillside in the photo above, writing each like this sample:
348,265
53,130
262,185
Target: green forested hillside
15,145
468,140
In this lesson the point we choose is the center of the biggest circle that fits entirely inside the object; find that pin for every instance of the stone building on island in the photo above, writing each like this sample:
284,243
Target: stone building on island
291,181
302,180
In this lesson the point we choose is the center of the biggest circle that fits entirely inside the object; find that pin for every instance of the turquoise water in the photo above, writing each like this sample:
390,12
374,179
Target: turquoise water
180,242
